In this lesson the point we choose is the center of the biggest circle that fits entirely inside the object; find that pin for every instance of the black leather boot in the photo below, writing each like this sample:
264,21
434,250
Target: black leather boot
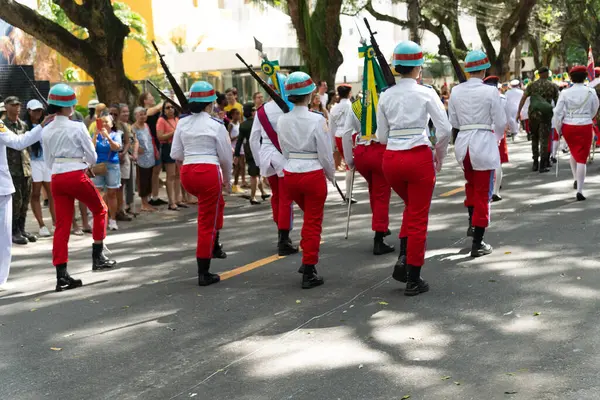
284,246
99,260
400,273
310,279
536,165
380,247
544,164
17,236
205,278
218,249
415,285
470,228
479,247
32,238
64,280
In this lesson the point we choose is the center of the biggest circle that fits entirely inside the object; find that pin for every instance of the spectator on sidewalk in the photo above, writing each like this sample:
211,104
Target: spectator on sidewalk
231,96
125,195
91,117
41,175
144,153
165,128
153,110
258,100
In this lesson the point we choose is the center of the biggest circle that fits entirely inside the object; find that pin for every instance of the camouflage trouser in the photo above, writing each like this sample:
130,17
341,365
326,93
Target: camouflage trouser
21,198
540,134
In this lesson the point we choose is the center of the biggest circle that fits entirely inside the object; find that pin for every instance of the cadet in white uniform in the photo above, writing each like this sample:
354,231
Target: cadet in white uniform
306,146
513,98
409,164
474,108
266,151
202,143
576,108
17,142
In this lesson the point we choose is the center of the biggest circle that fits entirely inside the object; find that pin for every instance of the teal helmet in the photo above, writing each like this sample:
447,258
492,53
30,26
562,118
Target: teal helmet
299,84
408,54
476,60
202,92
62,95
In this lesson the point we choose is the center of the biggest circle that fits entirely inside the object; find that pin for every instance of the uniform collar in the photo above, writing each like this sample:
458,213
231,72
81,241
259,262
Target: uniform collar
475,80
407,81
345,101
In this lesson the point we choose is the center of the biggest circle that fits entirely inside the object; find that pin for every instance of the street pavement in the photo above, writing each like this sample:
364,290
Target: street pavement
521,323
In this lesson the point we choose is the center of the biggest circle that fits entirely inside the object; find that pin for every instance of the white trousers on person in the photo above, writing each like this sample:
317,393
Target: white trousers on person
5,236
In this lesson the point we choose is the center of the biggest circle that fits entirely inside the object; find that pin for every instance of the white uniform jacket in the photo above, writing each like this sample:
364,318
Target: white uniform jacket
305,142
475,109
513,99
202,139
576,105
338,117
17,142
266,156
403,113
67,146
352,126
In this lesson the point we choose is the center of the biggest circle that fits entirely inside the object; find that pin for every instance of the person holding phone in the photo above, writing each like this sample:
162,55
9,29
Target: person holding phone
69,152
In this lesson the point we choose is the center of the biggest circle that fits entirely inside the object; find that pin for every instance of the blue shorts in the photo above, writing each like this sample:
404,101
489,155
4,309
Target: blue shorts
112,179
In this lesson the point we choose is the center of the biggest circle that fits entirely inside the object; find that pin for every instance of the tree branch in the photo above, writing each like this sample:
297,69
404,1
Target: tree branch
53,35
523,10
485,39
80,15
384,17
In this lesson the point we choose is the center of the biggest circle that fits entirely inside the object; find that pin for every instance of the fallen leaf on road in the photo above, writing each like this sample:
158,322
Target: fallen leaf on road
56,348
360,366
36,300
523,370
508,252
406,397
492,280
171,329
193,394
507,313
69,335
383,303
298,301
535,314
155,281
457,383
510,392
562,275
445,378
124,307
33,309
578,278
510,374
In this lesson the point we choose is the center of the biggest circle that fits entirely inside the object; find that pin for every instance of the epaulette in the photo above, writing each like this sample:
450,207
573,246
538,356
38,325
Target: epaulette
427,86
318,112
218,120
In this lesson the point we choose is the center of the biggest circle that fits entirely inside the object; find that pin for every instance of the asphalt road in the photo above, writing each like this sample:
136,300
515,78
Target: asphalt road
521,323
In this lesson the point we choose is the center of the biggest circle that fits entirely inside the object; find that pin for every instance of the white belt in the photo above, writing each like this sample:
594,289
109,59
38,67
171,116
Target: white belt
579,115
201,159
64,160
303,156
472,127
396,133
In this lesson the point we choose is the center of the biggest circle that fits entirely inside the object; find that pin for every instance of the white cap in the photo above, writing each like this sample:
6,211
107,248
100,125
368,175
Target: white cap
35,105
2,107
92,103
515,82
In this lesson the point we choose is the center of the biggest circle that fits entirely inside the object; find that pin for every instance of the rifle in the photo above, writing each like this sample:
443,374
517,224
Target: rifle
174,84
385,67
276,98
41,98
165,97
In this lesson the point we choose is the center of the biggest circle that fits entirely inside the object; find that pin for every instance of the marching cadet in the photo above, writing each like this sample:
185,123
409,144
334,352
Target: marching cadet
266,150
337,120
306,146
202,143
16,142
474,109
573,115
68,152
366,158
502,146
408,163
513,97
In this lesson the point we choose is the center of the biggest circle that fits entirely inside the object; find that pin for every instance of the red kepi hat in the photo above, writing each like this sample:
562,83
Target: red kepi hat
578,68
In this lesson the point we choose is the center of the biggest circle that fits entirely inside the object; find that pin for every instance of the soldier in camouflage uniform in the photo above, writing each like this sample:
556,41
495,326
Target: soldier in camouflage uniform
540,124
19,165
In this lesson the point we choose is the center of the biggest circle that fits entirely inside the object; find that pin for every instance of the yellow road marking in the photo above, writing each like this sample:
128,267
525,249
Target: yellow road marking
453,191
253,265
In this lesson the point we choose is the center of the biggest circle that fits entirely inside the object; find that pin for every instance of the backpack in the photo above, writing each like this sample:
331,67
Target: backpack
539,104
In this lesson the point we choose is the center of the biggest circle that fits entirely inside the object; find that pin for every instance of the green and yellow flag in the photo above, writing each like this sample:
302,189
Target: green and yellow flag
373,84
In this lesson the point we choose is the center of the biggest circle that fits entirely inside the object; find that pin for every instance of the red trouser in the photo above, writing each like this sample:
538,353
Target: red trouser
368,162
340,146
478,189
309,191
412,176
66,188
205,182
281,203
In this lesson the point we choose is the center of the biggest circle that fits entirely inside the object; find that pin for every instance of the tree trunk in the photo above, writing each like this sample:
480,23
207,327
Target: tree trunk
100,55
535,49
413,20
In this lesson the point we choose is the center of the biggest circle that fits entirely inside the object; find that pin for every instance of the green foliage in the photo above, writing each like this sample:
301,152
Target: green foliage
82,109
576,55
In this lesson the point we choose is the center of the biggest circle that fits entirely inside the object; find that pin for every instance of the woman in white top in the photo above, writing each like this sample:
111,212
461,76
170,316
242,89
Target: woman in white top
408,162
69,151
306,146
573,114
202,143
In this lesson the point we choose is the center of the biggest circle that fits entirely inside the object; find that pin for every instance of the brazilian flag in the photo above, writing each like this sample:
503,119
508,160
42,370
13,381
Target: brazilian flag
373,84
270,69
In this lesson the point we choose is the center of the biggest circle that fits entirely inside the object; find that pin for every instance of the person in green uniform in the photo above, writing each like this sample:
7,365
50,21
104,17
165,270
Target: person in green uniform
19,165
544,95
